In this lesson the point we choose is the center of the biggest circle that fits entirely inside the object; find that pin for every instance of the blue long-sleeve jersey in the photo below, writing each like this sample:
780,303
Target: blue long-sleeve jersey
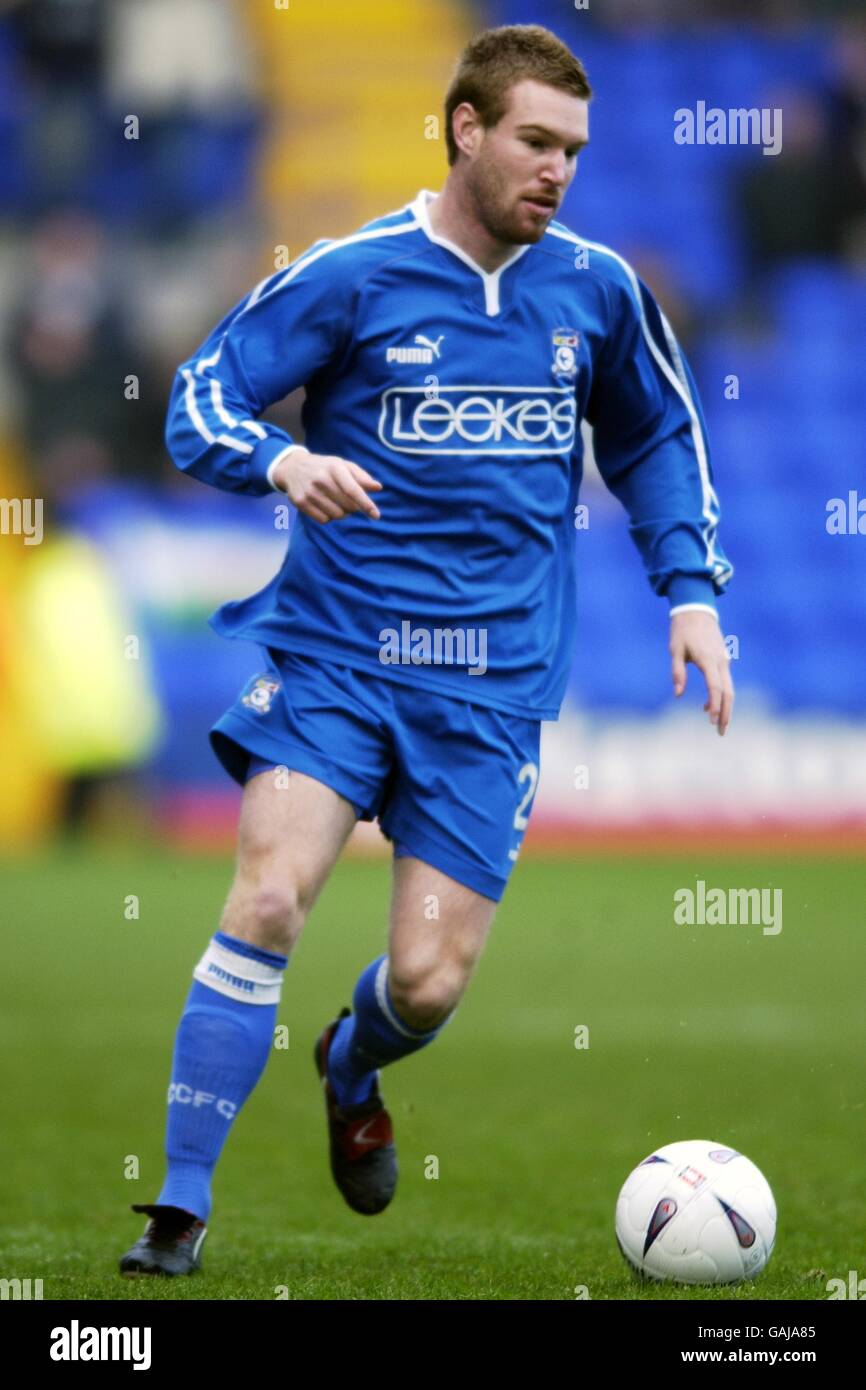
462,392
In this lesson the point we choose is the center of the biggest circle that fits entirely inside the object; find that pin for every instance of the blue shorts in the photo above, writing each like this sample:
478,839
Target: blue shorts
452,783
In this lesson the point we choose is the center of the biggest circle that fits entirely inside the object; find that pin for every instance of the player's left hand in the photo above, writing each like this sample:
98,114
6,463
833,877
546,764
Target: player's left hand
697,637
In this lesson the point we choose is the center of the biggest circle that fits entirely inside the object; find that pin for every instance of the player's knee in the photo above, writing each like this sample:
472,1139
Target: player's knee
425,1000
274,916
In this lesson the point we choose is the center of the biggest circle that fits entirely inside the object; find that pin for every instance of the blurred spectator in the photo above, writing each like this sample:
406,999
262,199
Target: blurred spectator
61,40
70,352
679,14
810,200
794,203
184,69
167,56
848,134
61,43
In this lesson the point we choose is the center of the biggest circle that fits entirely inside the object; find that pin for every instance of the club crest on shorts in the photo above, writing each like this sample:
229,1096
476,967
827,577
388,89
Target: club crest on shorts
260,693
566,341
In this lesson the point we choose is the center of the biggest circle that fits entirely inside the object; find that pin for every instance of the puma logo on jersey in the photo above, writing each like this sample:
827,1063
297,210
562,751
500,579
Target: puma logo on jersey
426,350
428,342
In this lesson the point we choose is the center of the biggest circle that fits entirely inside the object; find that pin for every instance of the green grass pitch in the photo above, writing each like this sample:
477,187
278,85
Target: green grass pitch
717,1032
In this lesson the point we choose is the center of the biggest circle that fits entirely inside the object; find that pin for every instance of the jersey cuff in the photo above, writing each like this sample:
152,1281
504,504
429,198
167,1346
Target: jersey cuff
274,465
265,457
693,608
691,590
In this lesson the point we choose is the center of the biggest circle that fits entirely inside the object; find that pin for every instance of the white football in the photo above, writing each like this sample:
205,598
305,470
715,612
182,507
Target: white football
696,1213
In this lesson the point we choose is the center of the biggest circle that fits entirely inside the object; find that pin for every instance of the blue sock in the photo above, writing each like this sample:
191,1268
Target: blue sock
371,1037
220,1051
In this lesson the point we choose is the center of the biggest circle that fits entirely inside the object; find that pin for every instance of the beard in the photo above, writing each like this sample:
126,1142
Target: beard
501,214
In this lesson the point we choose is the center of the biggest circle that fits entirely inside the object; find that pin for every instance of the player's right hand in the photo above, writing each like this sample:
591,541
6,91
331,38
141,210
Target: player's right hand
697,637
326,487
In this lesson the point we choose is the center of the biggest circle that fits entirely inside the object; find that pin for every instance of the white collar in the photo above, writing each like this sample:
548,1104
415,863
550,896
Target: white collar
490,278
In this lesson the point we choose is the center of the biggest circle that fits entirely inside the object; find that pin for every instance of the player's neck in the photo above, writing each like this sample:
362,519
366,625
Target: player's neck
453,217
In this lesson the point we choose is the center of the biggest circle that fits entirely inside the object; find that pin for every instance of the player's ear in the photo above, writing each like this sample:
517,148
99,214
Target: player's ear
467,128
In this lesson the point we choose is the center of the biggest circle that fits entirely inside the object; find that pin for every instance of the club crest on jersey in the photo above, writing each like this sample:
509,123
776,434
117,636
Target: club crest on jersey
426,350
260,693
566,341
